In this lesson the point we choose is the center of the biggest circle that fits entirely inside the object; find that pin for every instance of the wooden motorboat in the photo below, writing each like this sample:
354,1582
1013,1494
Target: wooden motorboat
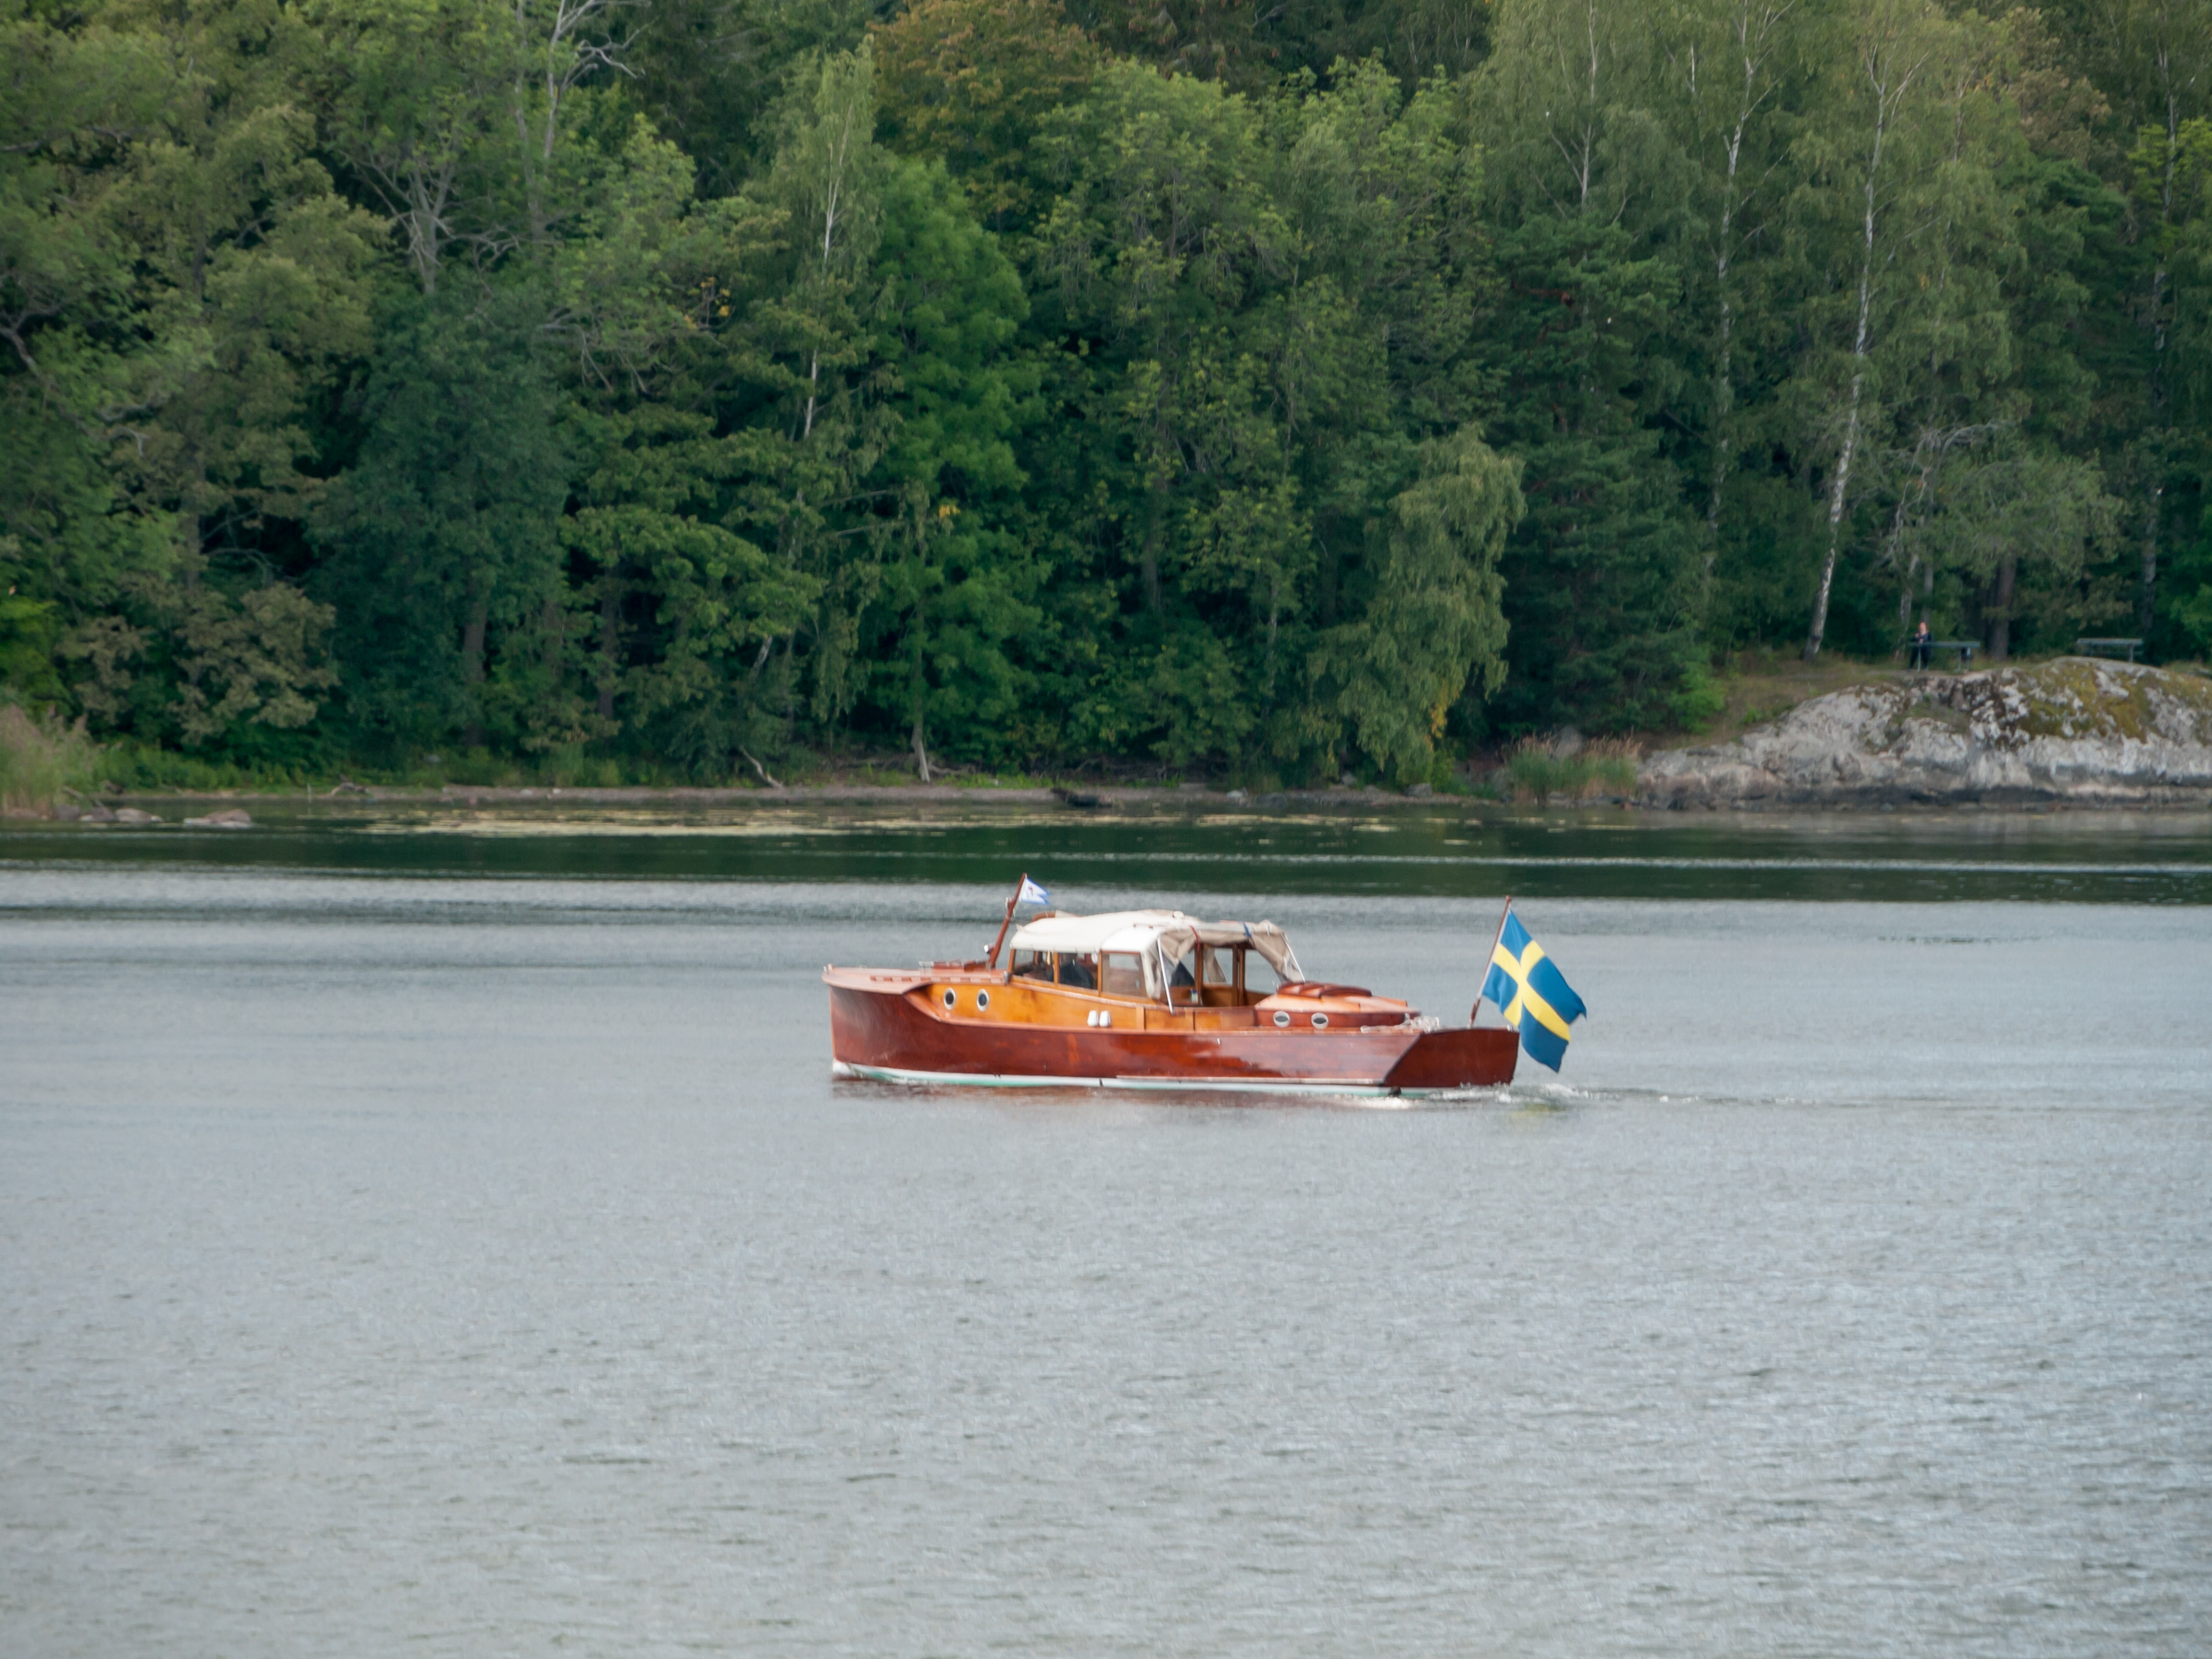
1147,999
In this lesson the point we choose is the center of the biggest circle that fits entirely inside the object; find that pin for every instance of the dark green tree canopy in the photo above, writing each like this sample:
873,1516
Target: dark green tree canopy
688,383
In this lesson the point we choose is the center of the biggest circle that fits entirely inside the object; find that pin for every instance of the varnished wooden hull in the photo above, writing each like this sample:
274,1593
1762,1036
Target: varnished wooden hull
891,1029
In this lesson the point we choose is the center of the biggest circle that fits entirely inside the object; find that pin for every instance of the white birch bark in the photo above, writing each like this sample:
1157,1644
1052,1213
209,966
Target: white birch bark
1882,60
1754,29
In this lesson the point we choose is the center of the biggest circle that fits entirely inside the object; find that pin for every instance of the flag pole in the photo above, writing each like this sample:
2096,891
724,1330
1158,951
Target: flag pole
991,961
1475,1013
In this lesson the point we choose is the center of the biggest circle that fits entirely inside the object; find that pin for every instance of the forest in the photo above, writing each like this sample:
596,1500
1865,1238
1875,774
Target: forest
696,389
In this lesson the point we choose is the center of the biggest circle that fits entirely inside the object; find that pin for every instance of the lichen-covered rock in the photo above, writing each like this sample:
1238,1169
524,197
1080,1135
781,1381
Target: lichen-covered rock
2078,729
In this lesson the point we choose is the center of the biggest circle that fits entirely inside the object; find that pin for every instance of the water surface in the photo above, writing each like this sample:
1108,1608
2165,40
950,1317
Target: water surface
398,1259
1162,841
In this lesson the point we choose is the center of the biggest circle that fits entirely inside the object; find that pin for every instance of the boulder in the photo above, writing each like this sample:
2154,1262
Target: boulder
2078,730
230,818
134,815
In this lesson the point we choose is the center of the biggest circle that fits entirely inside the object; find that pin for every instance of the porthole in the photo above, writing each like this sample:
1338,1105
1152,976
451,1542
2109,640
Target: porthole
1282,1017
1320,1021
950,996
982,1000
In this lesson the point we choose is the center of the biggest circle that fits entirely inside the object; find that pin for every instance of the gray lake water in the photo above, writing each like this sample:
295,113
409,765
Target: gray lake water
400,1258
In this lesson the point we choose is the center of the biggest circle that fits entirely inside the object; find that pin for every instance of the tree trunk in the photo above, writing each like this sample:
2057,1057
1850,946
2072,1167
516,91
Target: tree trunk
1274,622
1155,533
472,673
1723,376
2000,614
1889,86
554,622
917,685
2146,598
2147,594
610,648
532,182
1751,44
1836,489
1723,406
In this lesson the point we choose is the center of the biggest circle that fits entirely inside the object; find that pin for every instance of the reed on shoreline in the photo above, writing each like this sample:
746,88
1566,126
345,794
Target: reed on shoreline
42,759
1538,771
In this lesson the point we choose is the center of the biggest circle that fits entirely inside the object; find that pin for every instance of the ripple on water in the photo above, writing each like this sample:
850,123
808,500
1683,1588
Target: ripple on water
474,1264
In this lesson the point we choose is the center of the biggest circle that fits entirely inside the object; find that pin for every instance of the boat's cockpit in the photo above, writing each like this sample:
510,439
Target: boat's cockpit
1187,974
1156,955
1204,976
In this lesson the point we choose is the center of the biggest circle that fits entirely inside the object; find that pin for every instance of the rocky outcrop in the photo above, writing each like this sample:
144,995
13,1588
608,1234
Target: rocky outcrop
2077,730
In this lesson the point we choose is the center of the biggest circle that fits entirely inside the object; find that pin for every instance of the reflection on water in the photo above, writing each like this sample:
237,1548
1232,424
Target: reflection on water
467,1264
1455,850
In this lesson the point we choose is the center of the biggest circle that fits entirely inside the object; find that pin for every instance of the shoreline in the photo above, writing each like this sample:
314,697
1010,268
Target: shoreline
2068,735
523,809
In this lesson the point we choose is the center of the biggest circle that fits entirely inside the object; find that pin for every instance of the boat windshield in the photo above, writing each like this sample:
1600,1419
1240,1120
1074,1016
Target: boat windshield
1123,975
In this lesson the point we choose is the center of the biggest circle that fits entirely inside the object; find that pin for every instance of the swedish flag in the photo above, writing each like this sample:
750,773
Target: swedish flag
1535,997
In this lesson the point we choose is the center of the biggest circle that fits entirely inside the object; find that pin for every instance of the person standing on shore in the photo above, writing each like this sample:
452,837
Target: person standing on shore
1923,646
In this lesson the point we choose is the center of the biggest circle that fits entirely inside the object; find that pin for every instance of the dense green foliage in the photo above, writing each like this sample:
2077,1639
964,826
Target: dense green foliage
695,383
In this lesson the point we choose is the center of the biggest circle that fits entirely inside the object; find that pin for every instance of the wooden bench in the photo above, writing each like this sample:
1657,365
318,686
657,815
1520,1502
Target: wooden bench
2103,647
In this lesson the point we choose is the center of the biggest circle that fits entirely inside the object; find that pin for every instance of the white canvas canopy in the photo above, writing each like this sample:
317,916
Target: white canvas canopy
1169,932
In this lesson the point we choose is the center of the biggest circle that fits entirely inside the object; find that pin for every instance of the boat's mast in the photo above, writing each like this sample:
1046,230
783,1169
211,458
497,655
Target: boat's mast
992,961
1489,956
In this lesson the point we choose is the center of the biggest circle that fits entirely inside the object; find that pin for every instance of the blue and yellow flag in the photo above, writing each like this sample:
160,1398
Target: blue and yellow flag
1536,999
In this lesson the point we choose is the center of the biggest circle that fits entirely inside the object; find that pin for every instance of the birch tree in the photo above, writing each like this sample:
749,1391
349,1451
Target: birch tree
1867,158
824,184
826,174
1732,65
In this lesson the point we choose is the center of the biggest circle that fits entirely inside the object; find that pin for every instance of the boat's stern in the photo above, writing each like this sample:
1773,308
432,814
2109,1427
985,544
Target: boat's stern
1471,1057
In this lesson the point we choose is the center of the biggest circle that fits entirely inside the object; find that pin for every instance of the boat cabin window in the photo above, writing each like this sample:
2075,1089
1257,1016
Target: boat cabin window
1204,975
1260,977
1031,964
1182,980
1124,975
1078,971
